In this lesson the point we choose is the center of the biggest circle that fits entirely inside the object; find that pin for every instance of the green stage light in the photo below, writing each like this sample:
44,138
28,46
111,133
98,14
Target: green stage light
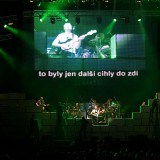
66,20
40,18
139,19
114,19
5,26
38,4
52,20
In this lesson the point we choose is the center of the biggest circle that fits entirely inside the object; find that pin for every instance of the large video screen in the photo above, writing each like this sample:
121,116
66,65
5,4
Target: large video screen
97,42
117,56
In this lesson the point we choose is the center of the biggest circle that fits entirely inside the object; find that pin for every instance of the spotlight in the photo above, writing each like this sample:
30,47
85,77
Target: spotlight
5,25
38,4
78,20
139,1
40,18
52,20
114,19
66,18
125,19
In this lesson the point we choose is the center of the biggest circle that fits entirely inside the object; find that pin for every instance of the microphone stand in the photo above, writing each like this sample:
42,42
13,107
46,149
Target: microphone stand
73,29
118,107
88,107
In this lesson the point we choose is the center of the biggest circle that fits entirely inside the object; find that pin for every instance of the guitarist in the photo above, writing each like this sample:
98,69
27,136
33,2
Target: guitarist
67,42
41,103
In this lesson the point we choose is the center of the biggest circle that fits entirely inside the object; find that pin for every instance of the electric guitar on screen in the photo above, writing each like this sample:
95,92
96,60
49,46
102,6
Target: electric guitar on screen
70,42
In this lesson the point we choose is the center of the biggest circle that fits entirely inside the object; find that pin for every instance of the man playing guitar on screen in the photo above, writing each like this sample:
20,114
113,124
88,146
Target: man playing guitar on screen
68,42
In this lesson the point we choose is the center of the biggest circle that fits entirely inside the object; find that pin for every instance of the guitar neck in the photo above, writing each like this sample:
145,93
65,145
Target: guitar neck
72,41
85,35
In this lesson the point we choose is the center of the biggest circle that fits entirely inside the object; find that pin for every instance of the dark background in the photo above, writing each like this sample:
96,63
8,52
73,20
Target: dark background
21,77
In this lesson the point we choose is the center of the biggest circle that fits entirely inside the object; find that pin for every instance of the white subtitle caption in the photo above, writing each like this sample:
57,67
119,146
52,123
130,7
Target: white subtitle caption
68,74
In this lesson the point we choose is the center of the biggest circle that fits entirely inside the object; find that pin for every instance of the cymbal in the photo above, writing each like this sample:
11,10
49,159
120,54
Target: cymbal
99,36
92,42
104,48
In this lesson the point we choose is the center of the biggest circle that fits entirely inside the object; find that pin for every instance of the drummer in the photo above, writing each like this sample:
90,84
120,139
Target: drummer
101,45
91,106
102,109
95,111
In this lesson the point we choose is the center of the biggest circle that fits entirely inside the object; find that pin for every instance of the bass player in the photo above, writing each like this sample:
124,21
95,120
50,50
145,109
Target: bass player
68,42
41,103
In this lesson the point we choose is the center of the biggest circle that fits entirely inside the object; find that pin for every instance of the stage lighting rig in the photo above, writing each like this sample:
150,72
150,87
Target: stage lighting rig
52,20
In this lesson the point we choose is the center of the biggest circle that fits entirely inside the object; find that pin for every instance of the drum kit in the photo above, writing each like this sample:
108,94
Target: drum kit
111,110
99,47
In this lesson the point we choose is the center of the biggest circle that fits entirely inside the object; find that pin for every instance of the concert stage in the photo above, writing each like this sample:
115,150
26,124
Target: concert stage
16,113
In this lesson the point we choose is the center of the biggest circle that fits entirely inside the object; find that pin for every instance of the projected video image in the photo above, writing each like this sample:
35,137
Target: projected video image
85,41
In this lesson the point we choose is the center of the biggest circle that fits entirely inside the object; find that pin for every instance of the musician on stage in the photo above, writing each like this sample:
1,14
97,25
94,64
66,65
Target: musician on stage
91,106
41,103
94,114
68,42
102,112
109,102
76,110
155,107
